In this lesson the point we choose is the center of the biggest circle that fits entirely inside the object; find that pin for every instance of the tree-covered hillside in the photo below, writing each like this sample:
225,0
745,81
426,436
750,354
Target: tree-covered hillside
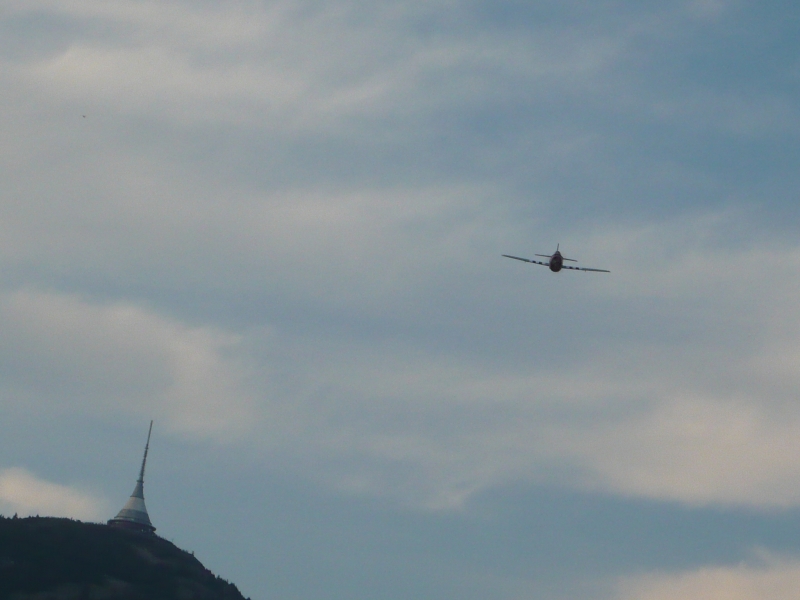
44,558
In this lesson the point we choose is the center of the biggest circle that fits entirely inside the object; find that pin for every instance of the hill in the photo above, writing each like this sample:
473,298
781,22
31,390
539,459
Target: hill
44,558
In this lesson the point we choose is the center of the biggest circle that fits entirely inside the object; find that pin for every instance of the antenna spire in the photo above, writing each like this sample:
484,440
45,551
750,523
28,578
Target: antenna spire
144,459
134,514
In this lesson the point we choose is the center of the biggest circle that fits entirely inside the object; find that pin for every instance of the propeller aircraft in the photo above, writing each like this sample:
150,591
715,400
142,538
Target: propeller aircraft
555,262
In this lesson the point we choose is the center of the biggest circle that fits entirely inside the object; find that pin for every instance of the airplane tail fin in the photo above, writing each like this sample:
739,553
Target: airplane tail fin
554,253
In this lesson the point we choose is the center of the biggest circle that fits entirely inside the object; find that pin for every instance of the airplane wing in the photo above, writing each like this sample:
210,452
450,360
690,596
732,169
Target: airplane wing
527,260
585,269
547,264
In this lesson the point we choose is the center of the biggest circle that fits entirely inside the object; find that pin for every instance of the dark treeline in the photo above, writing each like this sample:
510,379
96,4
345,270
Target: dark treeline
53,559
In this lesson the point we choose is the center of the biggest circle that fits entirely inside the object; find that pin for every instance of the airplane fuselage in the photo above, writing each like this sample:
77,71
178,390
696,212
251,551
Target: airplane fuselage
556,262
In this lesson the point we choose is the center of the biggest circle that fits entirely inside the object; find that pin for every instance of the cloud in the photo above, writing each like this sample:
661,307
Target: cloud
23,493
386,348
683,393
280,224
61,353
775,578
354,319
293,67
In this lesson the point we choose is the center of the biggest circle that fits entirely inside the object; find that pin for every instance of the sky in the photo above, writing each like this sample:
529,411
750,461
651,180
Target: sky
275,228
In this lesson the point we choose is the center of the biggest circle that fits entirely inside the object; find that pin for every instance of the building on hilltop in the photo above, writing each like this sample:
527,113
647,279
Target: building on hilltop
134,515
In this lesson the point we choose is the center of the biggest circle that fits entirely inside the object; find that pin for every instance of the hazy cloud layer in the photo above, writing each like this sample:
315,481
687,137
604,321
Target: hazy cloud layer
24,494
64,354
775,578
435,422
276,227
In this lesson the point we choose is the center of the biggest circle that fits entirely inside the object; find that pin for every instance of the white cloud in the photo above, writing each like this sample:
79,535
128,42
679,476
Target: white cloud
280,224
61,353
688,402
23,493
698,411
681,392
771,578
284,66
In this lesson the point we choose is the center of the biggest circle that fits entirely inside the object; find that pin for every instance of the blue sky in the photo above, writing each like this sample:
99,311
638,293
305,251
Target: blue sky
276,229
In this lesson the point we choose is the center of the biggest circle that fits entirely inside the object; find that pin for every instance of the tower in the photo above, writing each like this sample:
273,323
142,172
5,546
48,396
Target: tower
134,514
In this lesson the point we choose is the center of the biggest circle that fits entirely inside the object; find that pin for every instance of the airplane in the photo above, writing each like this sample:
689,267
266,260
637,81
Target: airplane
556,262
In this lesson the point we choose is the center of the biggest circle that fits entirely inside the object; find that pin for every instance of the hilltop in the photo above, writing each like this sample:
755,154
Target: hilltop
45,558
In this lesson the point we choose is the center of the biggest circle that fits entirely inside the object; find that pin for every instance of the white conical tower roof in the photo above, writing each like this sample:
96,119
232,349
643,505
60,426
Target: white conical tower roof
134,514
